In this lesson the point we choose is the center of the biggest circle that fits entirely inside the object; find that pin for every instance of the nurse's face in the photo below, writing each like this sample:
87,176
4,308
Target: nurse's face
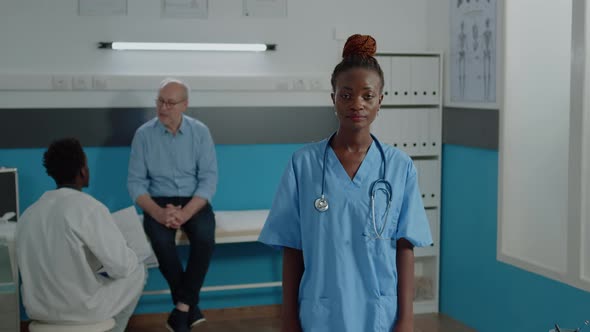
357,97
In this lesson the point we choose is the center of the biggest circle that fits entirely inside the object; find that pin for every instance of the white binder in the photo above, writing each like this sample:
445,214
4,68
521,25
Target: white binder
400,78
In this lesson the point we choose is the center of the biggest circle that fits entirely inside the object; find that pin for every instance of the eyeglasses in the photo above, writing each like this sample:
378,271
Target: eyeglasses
167,104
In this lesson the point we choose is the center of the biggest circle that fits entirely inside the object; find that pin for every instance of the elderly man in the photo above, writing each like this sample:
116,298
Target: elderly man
172,177
74,262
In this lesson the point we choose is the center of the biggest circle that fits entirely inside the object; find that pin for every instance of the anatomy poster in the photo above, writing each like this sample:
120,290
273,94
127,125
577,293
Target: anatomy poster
473,51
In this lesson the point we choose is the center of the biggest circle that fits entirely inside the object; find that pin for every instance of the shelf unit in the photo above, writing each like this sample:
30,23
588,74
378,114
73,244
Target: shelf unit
410,119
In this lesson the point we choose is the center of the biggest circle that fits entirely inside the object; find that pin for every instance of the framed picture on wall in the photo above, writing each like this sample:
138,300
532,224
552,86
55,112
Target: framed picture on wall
474,48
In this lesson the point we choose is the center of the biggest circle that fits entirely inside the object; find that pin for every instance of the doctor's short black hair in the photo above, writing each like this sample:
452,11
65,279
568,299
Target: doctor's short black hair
64,159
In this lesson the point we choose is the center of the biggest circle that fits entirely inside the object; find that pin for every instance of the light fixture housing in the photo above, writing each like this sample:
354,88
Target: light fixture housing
220,47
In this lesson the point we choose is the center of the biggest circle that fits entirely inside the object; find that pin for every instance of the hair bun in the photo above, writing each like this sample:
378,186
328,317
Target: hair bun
363,45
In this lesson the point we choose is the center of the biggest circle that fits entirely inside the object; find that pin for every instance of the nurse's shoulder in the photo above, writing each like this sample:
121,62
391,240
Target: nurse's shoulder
310,154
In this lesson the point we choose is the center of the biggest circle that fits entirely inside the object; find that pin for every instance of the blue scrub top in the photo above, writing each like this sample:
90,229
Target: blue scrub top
350,277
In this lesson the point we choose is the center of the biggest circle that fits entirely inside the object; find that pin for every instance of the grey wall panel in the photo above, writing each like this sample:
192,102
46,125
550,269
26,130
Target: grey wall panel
471,127
254,125
27,128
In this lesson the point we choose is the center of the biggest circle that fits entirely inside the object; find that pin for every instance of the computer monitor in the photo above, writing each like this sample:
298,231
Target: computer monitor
9,193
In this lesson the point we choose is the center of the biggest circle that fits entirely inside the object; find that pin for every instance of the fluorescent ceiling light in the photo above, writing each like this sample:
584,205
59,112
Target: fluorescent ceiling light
187,47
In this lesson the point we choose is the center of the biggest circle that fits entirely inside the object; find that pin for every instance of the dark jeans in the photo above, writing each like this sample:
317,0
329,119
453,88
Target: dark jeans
200,231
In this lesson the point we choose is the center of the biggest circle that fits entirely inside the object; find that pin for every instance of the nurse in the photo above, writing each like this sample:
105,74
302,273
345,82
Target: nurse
348,213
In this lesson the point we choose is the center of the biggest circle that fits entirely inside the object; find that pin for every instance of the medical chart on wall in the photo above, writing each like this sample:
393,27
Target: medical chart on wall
473,51
185,8
102,7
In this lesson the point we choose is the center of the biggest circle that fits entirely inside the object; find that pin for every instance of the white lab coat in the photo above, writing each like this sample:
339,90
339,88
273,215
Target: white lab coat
62,240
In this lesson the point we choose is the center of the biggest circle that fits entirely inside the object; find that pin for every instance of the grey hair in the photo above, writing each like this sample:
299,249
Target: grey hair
187,89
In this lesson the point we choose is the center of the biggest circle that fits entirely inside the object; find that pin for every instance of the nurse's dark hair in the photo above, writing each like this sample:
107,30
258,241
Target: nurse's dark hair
358,52
64,159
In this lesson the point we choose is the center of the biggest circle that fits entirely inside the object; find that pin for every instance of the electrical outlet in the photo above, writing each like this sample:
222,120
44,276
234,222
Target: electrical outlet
61,82
81,82
315,84
299,84
99,83
282,86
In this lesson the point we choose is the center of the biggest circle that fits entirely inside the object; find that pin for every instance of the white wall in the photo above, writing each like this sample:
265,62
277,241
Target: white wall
584,235
438,34
548,232
48,37
535,132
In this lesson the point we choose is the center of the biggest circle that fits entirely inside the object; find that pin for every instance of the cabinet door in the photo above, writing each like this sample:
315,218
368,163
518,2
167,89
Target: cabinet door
416,131
432,145
425,80
422,135
387,126
385,63
429,181
433,222
401,80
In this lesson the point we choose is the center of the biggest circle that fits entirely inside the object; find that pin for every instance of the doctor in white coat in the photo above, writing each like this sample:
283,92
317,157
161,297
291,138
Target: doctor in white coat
74,263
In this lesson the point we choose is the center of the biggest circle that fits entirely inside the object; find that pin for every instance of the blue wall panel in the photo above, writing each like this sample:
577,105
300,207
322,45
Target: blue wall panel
248,178
476,288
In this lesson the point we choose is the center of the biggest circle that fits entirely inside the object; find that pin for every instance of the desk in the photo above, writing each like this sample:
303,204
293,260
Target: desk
232,227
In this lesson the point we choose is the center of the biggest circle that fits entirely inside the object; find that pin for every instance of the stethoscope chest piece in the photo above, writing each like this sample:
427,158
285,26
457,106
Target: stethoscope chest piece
321,204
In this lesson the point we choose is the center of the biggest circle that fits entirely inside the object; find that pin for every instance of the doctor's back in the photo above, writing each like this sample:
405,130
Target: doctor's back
63,241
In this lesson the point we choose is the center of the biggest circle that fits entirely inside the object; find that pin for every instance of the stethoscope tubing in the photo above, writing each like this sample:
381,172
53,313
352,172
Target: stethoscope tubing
321,203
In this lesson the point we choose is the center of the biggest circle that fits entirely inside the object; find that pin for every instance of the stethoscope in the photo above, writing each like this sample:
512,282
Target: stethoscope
321,203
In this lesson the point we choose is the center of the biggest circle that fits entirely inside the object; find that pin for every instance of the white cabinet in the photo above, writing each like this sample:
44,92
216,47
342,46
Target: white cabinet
410,119
415,130
411,79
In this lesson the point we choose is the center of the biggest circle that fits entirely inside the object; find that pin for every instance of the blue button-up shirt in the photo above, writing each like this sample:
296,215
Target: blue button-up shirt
166,165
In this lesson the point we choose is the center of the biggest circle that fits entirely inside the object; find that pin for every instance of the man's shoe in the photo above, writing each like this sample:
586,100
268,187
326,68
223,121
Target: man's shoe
195,316
177,321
